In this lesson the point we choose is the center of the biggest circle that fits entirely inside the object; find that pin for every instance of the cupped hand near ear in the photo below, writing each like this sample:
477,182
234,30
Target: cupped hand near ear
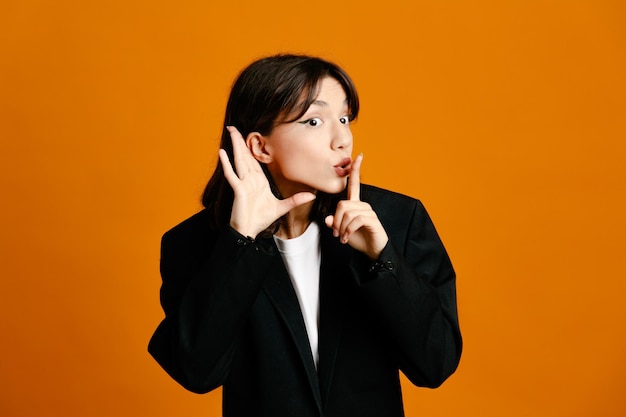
355,222
255,207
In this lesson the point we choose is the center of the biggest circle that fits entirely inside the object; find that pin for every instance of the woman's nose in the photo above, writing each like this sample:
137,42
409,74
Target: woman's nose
342,136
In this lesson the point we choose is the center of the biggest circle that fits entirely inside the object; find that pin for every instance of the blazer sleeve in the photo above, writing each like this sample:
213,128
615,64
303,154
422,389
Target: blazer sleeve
411,293
210,281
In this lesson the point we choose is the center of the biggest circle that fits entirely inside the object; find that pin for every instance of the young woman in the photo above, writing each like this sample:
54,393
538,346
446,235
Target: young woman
299,290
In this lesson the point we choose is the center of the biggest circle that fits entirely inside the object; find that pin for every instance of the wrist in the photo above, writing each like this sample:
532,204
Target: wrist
244,230
375,253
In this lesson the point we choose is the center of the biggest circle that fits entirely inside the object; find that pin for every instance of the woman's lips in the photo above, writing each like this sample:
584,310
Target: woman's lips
344,167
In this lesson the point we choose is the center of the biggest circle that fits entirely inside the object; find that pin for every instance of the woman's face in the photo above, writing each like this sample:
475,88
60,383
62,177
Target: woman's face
314,152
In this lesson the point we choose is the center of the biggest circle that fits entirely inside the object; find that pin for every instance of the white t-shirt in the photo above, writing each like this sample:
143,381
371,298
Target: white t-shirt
302,257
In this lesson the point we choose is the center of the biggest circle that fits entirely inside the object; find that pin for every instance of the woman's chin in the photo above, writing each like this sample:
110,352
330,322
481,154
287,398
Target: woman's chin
334,188
329,187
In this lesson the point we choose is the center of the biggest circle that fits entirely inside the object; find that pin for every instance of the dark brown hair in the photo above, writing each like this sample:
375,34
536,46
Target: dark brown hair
270,91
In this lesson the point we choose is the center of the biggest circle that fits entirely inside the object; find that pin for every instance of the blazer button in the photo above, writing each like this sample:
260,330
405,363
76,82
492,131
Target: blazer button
377,266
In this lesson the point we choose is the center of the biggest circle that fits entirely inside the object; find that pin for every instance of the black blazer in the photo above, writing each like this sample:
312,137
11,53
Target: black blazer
232,318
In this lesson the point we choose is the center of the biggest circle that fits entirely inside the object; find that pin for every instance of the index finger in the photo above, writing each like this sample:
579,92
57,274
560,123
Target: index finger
236,139
354,180
242,156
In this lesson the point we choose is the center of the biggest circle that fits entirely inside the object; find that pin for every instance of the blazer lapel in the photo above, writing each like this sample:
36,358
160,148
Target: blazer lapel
280,291
334,282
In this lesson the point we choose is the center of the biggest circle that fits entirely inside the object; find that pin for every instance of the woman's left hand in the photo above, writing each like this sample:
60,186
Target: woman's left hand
355,222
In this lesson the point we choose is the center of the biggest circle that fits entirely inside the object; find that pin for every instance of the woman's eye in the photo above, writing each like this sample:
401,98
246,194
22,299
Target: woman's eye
316,121
344,120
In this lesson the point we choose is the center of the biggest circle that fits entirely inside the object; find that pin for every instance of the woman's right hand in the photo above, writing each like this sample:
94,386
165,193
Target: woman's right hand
255,207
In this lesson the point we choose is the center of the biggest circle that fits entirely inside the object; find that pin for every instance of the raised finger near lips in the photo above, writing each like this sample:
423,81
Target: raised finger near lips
354,180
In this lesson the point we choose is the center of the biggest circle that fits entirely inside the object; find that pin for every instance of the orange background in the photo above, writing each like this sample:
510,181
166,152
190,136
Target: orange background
507,118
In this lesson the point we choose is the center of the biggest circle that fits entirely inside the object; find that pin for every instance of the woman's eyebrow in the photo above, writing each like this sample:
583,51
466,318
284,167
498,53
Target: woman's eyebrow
321,103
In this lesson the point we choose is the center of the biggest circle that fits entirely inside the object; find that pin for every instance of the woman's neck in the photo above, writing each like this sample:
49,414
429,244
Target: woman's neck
295,222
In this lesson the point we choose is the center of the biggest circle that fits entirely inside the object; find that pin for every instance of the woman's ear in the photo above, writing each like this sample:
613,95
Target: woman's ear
257,143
